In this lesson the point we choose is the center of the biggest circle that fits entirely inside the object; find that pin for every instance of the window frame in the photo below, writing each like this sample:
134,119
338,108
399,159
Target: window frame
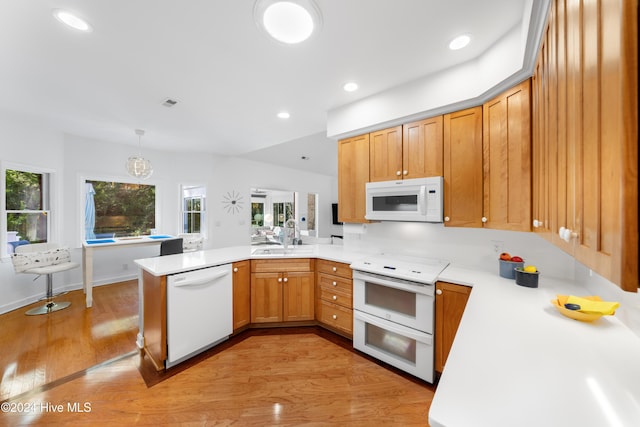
203,209
53,219
111,178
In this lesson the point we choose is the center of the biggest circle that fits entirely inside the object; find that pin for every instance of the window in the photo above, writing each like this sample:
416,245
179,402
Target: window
118,209
194,209
257,214
282,212
27,207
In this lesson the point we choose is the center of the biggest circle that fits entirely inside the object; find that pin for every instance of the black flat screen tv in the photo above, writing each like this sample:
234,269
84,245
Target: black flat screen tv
334,214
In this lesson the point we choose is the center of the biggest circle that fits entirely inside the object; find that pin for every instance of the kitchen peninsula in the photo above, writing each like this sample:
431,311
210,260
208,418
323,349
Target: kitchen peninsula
515,359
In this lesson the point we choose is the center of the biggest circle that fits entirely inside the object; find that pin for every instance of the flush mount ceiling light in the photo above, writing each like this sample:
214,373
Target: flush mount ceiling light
459,42
287,21
72,20
138,166
283,115
350,87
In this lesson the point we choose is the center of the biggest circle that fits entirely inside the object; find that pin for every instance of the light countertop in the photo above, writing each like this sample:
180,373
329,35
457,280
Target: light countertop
515,360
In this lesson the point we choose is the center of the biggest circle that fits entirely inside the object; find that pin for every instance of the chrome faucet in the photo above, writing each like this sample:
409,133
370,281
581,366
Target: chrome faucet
289,233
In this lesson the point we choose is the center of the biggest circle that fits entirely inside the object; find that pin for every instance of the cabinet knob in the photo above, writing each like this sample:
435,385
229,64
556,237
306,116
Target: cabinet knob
286,279
335,297
536,223
446,219
484,219
335,268
334,283
235,269
335,316
438,291
405,172
398,173
279,279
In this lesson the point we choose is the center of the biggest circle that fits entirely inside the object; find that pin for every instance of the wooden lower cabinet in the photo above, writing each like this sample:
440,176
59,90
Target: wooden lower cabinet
241,294
451,301
334,300
282,290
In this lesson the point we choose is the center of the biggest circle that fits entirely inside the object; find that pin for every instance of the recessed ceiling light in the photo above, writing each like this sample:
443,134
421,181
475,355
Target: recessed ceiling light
284,115
350,87
72,20
459,42
290,21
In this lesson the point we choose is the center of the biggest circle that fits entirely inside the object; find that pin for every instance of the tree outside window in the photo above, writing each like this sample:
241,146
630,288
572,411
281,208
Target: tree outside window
27,206
121,209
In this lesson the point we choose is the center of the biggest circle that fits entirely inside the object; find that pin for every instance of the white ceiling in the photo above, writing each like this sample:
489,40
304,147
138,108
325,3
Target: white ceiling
229,79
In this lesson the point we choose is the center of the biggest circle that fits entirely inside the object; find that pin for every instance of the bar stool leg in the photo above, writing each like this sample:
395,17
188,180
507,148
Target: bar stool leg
50,305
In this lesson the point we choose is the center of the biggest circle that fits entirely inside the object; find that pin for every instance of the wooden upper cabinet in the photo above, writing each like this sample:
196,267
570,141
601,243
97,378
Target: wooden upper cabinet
586,124
385,154
463,168
413,150
353,174
422,148
507,160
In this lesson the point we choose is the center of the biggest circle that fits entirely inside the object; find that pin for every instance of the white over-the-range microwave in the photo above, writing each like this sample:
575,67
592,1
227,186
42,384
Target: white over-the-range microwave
417,200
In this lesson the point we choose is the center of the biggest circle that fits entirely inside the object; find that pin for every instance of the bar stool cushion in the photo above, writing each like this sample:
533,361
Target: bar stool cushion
48,261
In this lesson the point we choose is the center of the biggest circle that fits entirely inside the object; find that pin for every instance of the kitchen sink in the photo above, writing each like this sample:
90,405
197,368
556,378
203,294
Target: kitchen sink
280,251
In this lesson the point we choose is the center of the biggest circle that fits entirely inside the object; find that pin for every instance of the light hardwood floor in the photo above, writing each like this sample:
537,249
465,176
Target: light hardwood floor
287,377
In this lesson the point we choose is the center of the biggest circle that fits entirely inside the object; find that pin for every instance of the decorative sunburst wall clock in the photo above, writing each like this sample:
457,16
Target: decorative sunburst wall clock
232,202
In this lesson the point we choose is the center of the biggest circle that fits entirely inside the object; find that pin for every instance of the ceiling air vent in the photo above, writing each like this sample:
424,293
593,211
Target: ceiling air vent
169,102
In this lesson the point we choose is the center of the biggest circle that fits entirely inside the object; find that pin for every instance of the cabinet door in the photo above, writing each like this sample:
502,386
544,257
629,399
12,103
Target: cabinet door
385,155
507,160
422,148
266,297
353,174
463,168
241,294
298,290
451,301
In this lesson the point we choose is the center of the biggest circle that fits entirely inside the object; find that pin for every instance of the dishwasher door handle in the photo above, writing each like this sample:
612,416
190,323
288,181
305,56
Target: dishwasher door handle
201,281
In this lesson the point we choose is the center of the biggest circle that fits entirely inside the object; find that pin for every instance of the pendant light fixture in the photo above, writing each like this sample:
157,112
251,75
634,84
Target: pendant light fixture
138,166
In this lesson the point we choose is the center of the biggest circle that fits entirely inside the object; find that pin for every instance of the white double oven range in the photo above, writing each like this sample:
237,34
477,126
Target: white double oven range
393,317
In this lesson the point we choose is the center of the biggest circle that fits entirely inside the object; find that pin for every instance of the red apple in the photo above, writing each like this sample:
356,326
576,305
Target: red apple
516,259
505,256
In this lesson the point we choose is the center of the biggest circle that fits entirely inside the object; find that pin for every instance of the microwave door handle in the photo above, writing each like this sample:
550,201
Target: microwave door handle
422,200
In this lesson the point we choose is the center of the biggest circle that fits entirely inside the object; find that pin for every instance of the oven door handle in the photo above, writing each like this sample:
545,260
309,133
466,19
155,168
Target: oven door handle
392,327
378,279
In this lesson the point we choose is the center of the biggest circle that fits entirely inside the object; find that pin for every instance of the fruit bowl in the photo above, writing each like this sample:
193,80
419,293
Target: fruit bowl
574,314
528,279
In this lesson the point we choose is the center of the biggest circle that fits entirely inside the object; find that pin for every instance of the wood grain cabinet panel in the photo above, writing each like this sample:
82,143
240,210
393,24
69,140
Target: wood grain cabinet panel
507,160
385,154
463,169
586,123
353,174
241,294
334,296
422,148
450,303
282,290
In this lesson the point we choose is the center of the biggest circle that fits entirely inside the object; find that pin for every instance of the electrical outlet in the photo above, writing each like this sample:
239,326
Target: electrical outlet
498,246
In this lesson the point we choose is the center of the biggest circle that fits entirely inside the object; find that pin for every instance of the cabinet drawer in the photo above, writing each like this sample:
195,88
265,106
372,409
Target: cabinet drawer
281,265
332,282
335,296
336,316
335,268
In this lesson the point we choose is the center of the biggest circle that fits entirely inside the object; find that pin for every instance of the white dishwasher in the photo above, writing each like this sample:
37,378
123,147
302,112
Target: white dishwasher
199,311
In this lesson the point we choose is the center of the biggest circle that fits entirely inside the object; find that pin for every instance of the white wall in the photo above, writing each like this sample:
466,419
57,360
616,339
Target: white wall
75,158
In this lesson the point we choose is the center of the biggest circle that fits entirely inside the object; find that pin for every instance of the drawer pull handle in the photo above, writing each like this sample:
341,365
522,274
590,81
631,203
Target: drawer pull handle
335,297
235,270
334,283
335,316
335,268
